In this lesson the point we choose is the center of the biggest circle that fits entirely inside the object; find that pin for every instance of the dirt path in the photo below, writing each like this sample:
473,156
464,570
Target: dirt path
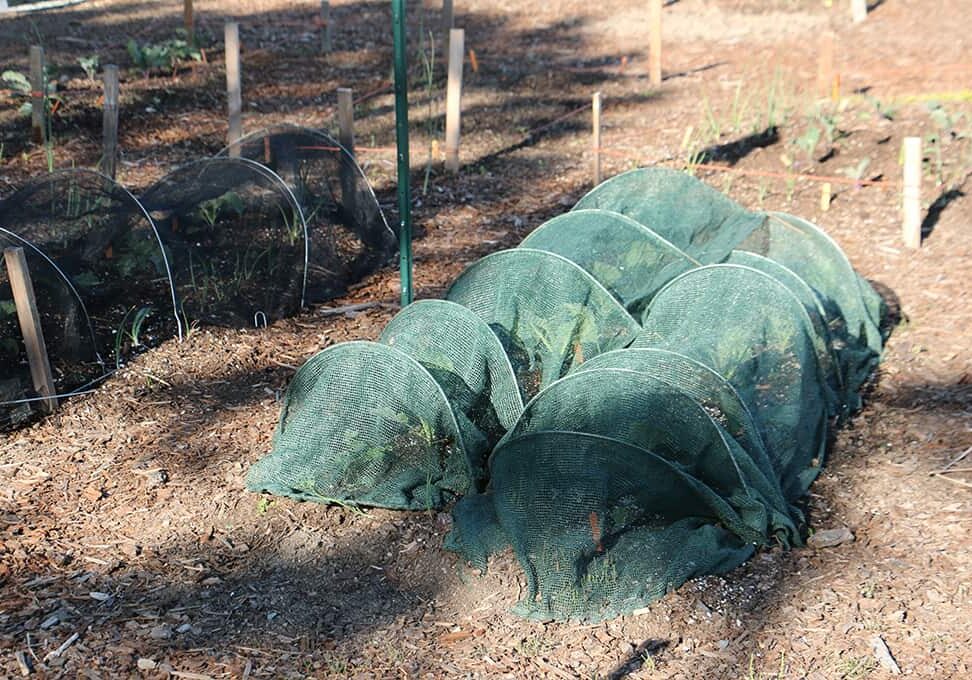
124,518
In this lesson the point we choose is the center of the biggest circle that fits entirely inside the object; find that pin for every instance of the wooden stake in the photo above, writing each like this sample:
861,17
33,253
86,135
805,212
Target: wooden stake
109,157
38,95
30,327
655,41
858,10
825,64
457,51
189,21
448,18
327,33
596,109
911,193
234,94
348,173
346,118
825,196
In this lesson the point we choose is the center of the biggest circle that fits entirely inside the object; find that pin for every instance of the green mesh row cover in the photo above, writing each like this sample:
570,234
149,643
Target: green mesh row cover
600,526
363,423
719,399
466,359
645,454
822,341
853,310
630,260
641,410
548,313
756,335
694,217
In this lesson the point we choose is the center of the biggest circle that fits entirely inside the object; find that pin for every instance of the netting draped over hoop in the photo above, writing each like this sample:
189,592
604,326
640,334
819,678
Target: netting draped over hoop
703,223
347,234
853,310
236,239
548,313
466,359
631,261
758,338
365,424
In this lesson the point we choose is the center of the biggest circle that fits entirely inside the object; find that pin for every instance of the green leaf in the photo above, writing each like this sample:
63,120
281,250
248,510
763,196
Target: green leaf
18,81
86,280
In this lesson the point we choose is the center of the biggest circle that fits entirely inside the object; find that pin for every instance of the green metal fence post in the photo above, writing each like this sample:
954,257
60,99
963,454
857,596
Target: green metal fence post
401,130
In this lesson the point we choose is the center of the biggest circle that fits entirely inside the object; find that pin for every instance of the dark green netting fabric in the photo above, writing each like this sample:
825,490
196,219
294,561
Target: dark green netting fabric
853,309
719,399
627,258
756,335
466,359
548,313
363,423
645,454
600,526
705,224
641,410
822,341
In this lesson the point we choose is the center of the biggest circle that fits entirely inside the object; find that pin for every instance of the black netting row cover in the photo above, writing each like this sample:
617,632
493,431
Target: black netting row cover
637,395
224,241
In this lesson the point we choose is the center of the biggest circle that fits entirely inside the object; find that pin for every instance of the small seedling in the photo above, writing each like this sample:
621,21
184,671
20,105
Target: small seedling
162,56
89,65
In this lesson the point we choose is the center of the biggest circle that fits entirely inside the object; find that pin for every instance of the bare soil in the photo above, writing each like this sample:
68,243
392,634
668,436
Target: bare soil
123,517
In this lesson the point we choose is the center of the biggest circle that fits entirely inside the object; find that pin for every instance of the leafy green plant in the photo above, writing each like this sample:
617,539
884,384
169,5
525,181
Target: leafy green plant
131,332
210,210
885,111
162,56
946,133
19,85
856,172
90,65
822,124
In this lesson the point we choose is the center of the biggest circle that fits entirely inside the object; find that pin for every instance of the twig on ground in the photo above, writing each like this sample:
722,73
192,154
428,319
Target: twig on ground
955,460
359,307
64,645
954,481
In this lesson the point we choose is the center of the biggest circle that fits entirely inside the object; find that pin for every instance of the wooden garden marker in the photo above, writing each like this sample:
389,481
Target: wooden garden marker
858,10
30,327
911,193
38,94
234,95
825,64
327,34
346,118
346,138
596,109
457,52
109,158
448,18
189,21
655,41
826,196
